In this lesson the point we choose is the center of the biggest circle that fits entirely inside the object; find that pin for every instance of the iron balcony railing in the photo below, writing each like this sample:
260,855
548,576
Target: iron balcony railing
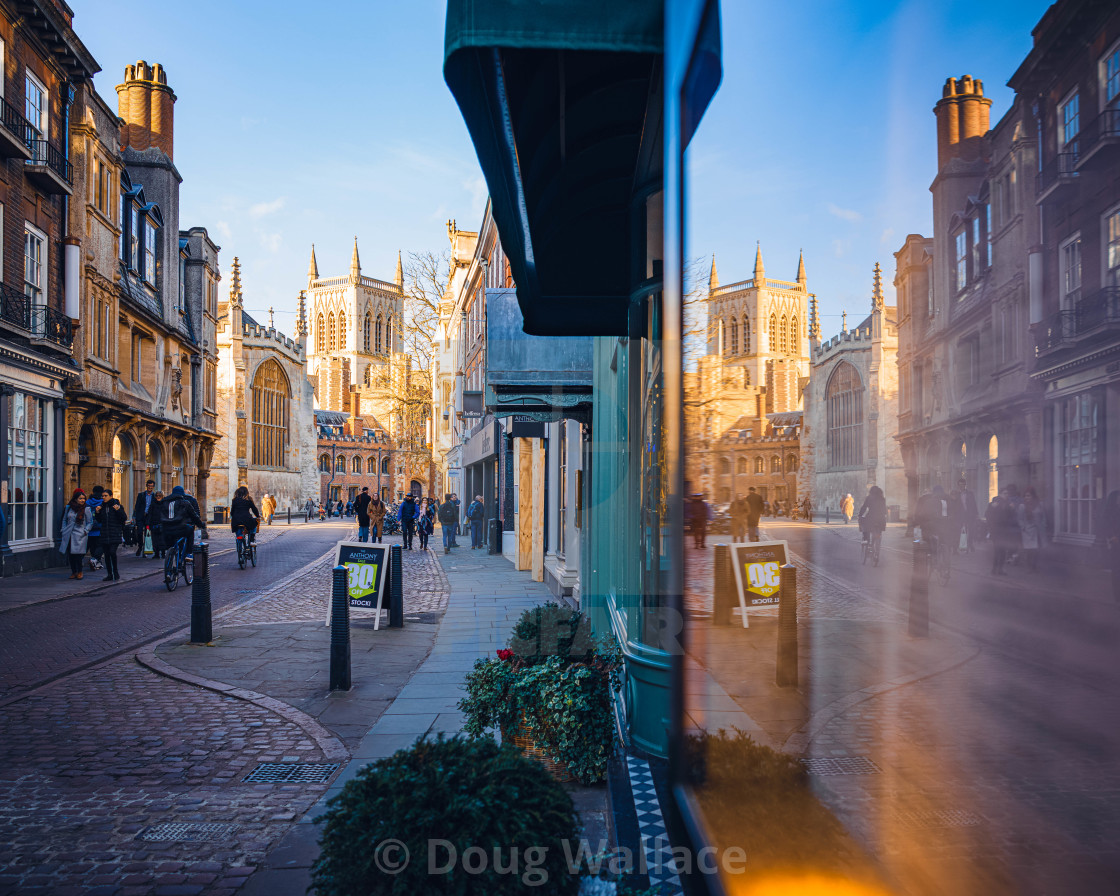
43,153
1100,309
11,118
1062,167
1105,126
38,320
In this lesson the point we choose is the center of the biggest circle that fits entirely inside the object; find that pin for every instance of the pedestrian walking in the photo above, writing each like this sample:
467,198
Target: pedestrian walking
268,508
1032,528
455,528
309,508
699,513
377,511
339,508
475,514
140,513
94,539
154,524
361,508
448,513
1110,532
113,519
969,513
1003,531
739,511
407,516
807,508
77,519
424,525
755,506
848,507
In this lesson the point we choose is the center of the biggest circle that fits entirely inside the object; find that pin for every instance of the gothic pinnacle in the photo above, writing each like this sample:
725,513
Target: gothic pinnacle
399,278
877,291
801,281
235,283
759,270
313,268
713,276
355,265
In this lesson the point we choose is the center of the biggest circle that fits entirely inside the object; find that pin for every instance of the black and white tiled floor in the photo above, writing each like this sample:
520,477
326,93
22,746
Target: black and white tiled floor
651,828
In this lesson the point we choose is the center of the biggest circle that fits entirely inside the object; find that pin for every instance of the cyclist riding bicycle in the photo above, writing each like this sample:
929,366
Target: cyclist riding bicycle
180,517
932,515
873,513
243,512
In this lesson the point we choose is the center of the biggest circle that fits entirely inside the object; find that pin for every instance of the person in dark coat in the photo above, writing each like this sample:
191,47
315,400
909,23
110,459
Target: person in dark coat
969,512
94,540
243,511
113,518
755,505
873,513
154,524
424,524
739,519
448,513
179,518
698,516
361,507
1003,530
140,513
407,515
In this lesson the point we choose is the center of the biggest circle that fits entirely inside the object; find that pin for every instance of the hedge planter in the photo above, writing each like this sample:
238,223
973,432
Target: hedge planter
549,693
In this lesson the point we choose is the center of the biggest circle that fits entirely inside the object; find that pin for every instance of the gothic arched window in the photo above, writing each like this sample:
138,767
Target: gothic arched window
332,342
366,327
775,464
270,415
783,343
794,336
377,332
324,463
741,465
746,335
734,337
389,334
759,465
357,465
844,407
340,464
372,467
342,331
773,332
320,335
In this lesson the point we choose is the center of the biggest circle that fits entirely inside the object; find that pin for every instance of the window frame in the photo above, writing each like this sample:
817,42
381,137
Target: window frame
31,234
1112,54
844,418
1069,295
149,251
1067,141
42,125
961,254
1110,246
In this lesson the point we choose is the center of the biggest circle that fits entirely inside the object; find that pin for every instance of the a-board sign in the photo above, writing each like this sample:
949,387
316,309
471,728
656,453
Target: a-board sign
366,566
758,573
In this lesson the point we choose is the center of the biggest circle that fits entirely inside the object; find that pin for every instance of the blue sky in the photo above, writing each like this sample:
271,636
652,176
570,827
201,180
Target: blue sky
293,127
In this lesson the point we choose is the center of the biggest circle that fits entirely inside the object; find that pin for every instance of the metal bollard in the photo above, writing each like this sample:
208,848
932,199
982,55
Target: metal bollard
340,631
827,515
202,622
787,629
919,593
289,516
723,586
494,545
396,588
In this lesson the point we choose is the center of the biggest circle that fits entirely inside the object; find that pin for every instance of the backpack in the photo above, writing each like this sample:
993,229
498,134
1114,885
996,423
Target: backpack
475,511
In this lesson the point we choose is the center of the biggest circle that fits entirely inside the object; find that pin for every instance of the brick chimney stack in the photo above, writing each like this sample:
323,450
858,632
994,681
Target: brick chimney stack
962,120
146,104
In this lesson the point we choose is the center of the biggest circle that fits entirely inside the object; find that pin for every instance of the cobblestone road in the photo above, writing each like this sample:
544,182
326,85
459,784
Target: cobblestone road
94,759
41,641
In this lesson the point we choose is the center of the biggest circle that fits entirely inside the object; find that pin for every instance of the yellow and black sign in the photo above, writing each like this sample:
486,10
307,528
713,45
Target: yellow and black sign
365,572
758,573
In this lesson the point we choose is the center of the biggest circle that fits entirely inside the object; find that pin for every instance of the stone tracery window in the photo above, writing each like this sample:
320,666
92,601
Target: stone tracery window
794,336
342,330
844,408
783,341
357,465
320,335
270,415
734,337
366,332
377,343
773,332
324,463
746,335
331,339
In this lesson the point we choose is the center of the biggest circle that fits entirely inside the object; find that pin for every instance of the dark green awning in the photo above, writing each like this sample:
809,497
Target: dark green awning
562,99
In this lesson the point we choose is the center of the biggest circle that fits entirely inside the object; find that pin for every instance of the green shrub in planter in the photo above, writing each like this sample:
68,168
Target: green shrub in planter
553,684
469,794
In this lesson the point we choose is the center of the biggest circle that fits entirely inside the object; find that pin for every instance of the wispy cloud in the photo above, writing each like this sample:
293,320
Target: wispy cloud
262,209
846,214
224,231
271,242
886,236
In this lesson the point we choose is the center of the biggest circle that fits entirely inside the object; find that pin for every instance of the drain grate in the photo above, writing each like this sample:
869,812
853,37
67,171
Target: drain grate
945,818
186,831
845,765
291,772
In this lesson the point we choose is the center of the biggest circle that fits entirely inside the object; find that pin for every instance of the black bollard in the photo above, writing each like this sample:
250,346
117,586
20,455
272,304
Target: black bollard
289,516
827,515
202,623
919,593
787,629
340,632
723,581
396,588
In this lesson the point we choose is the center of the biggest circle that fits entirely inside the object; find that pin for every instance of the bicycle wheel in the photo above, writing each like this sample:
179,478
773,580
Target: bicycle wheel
171,570
877,546
944,567
253,554
240,554
188,569
866,546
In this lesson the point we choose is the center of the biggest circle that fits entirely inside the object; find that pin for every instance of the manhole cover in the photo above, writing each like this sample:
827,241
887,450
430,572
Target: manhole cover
846,765
186,831
946,818
291,772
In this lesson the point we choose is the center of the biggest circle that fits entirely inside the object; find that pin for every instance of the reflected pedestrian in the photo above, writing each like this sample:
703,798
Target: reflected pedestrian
755,507
848,507
1003,530
969,511
739,511
698,515
1032,527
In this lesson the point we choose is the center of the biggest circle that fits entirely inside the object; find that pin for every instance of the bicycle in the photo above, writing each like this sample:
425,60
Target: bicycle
938,556
246,549
179,562
871,547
